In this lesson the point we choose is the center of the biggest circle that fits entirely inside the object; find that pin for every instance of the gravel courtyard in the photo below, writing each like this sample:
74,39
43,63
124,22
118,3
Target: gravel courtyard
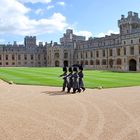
45,113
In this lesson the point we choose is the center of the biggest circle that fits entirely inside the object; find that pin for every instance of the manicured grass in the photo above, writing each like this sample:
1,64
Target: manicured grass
50,77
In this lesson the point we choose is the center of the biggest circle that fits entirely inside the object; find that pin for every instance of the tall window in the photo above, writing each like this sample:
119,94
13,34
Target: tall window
32,57
65,55
0,57
97,53
103,53
139,49
86,55
119,61
111,63
39,57
81,55
91,62
118,51
6,57
86,62
97,62
45,57
19,57
104,62
132,50
131,41
110,52
13,57
91,54
124,49
25,56
56,55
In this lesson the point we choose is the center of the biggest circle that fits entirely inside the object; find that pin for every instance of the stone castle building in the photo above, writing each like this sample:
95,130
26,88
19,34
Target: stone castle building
117,52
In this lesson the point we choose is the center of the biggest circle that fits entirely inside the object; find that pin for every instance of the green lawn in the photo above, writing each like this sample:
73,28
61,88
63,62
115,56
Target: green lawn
50,77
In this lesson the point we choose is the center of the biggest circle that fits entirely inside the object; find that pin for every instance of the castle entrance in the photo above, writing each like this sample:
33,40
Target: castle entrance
56,63
132,65
65,63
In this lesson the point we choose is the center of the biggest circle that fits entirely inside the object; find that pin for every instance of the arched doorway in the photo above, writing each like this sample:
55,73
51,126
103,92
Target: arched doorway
132,65
56,63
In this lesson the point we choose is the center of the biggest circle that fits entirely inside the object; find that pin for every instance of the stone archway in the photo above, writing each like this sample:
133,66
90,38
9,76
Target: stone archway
132,65
56,63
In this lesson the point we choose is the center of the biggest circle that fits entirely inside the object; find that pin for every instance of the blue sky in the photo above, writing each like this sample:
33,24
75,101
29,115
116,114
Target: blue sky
48,19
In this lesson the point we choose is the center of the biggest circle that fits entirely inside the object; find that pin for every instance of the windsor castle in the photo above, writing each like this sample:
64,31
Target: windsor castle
116,52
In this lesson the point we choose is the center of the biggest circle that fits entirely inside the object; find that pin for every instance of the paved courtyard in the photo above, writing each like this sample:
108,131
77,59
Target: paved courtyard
45,113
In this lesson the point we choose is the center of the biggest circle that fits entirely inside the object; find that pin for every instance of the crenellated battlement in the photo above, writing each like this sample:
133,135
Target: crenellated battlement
131,18
129,24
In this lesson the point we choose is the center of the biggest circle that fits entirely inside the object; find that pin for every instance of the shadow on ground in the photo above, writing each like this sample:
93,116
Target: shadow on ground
53,93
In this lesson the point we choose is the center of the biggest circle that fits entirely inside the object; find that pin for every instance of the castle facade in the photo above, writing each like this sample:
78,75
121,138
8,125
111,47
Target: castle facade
116,52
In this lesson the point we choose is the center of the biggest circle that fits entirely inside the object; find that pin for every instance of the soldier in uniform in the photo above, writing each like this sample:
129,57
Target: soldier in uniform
81,75
69,79
75,80
64,75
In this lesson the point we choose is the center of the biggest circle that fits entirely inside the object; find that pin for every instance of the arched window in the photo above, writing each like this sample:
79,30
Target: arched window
97,53
118,51
97,62
91,62
56,63
104,62
132,50
65,55
103,53
110,52
82,62
119,61
91,54
86,62
81,55
56,55
13,57
86,55
110,62
124,51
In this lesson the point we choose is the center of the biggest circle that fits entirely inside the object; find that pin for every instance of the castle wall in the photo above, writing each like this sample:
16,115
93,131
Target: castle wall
117,52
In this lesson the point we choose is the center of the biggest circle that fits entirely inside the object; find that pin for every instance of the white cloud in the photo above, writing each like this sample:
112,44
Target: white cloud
2,40
87,34
107,33
50,7
35,1
14,19
39,11
61,3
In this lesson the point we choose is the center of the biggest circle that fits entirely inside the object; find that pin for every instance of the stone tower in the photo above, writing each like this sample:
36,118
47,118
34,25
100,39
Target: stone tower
30,41
130,24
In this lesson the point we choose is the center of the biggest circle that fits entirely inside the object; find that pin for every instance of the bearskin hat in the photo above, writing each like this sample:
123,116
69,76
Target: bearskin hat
75,69
70,69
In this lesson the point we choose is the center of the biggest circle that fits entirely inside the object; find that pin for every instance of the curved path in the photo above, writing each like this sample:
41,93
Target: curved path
45,113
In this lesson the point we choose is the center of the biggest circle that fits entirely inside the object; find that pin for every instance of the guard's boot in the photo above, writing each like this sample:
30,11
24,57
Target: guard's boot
83,89
74,90
63,89
79,90
68,90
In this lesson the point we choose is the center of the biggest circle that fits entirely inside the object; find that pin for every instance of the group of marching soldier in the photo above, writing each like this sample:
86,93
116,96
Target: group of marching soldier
73,79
